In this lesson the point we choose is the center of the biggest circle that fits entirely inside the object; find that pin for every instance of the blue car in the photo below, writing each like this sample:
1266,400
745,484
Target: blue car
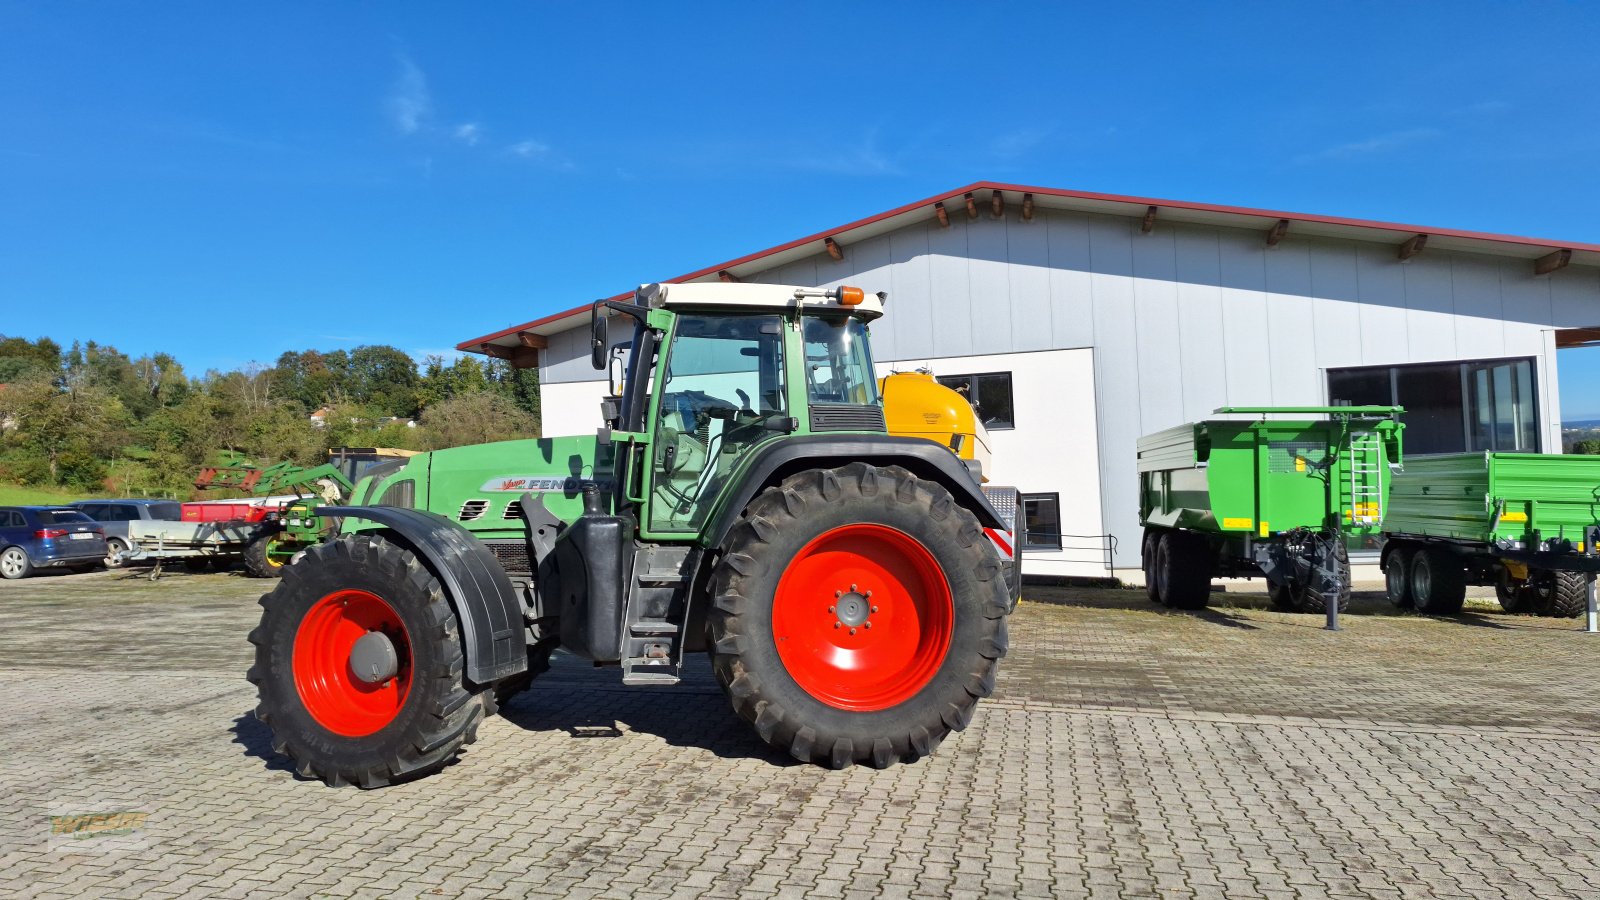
43,537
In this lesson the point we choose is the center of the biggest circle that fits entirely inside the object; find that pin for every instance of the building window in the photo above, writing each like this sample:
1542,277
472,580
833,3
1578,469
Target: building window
989,394
1450,407
1041,521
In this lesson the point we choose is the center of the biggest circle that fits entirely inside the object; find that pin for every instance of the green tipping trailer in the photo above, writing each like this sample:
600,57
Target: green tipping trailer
1272,497
1513,520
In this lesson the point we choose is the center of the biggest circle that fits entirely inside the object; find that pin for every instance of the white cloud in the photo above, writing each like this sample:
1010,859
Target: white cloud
1372,146
410,105
469,133
529,149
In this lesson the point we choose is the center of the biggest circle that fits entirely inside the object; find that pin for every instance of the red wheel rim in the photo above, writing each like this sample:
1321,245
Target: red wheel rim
332,694
862,617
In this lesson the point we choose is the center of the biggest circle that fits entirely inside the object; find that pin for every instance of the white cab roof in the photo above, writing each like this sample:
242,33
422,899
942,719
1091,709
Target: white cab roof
760,296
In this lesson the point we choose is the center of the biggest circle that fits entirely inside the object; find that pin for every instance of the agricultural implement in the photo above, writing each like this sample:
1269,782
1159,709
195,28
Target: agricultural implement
742,497
1278,498
299,523
1517,521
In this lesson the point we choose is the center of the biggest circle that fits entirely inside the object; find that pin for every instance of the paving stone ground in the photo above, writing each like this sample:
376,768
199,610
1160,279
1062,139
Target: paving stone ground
1129,752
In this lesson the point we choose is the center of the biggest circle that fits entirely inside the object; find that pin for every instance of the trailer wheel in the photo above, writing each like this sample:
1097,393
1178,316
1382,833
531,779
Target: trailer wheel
1147,558
1183,565
1310,598
1438,582
1397,578
858,615
359,667
1514,594
1563,595
258,561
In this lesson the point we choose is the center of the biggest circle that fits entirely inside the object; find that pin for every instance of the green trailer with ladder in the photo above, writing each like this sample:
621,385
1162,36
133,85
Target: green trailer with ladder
1279,495
1517,521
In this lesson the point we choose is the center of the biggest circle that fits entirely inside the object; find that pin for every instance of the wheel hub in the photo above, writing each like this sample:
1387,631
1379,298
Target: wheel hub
852,607
372,658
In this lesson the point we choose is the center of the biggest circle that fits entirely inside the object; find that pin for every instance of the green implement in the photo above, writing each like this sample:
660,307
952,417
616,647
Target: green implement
1281,498
1514,520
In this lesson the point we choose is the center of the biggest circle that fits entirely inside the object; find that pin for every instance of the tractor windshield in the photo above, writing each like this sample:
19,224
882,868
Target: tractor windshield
838,362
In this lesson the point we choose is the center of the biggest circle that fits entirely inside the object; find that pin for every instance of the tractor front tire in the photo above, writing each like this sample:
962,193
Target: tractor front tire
351,604
858,615
258,563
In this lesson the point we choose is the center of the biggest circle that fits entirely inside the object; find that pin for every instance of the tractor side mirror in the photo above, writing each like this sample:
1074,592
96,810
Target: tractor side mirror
598,337
614,372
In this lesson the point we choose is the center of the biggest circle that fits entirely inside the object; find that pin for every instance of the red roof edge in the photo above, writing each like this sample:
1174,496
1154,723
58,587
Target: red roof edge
473,345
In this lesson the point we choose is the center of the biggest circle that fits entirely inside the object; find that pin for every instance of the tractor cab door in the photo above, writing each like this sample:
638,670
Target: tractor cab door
722,392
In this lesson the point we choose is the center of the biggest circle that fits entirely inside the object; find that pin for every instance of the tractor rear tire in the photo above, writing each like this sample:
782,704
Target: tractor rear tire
334,726
1438,582
1397,578
258,563
809,569
1183,570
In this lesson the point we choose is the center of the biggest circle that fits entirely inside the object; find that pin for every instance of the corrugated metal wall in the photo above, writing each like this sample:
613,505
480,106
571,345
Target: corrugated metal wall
1186,318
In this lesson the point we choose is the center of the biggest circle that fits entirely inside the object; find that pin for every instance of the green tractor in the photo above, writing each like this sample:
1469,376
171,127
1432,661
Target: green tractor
742,497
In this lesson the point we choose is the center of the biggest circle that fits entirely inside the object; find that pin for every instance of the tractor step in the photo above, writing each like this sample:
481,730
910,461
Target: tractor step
641,672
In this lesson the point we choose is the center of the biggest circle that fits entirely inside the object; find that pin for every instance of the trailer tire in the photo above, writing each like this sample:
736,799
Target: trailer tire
1309,599
1147,558
775,630
1515,596
330,726
1183,563
1397,577
1562,595
257,562
1438,582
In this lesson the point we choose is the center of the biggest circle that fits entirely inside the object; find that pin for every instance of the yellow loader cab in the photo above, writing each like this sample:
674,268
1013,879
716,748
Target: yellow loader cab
915,405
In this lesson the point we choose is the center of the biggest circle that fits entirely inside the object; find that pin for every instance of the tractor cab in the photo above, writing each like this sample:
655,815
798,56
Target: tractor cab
713,372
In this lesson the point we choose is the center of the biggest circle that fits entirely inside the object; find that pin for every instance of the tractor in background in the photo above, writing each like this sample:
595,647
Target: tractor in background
742,497
297,523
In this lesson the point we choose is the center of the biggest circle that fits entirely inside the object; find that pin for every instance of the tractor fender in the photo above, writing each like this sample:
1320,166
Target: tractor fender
924,458
482,596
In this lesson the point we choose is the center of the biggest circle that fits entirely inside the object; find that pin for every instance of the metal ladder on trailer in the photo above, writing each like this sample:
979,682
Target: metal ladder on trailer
1365,466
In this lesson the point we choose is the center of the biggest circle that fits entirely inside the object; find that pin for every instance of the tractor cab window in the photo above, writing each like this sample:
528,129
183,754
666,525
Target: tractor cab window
838,363
723,383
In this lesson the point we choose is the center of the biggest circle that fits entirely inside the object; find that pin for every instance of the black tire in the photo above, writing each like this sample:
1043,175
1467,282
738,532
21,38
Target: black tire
1563,595
14,563
1147,557
1514,594
439,713
781,523
1397,577
117,551
1282,597
257,564
1438,582
1183,570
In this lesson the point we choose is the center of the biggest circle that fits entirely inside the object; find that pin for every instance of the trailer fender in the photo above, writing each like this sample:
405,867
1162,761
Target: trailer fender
477,587
922,457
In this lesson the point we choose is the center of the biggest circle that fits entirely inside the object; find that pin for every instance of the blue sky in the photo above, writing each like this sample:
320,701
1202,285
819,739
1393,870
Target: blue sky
229,181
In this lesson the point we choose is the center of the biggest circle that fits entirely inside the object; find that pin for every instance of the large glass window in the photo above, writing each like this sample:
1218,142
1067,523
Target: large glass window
989,394
1450,407
724,379
838,363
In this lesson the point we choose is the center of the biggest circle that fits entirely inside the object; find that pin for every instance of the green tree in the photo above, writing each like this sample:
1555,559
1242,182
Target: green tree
1589,447
476,418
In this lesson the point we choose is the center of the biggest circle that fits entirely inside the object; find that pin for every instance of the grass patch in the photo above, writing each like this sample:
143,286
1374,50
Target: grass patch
13,495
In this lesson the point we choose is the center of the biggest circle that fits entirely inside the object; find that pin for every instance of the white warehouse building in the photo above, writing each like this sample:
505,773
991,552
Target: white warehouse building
1082,321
